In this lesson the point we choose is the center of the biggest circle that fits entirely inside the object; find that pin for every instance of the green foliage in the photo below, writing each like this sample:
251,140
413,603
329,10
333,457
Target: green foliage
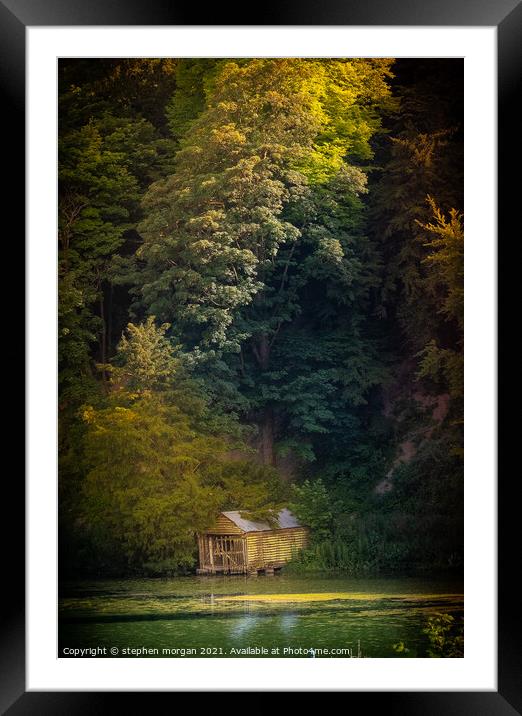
262,213
149,481
311,505
108,152
124,87
96,194
400,648
446,637
188,99
260,256
422,157
327,556
367,546
146,469
144,492
148,358
417,526
219,223
445,260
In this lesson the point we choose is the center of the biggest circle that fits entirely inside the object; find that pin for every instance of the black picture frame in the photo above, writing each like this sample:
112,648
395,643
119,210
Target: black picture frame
506,15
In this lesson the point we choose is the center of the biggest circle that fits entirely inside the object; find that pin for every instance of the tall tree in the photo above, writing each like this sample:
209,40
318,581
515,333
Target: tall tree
109,151
264,203
152,469
422,156
442,358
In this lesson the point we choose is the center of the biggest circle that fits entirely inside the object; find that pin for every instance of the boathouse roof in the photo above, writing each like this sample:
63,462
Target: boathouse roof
285,520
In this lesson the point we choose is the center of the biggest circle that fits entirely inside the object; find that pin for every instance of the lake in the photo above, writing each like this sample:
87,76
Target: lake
220,616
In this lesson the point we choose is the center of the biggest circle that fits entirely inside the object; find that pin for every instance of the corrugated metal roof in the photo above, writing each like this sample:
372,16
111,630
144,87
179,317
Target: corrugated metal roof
285,519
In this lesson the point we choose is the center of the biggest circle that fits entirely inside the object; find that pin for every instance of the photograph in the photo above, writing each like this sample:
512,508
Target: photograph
260,357
251,438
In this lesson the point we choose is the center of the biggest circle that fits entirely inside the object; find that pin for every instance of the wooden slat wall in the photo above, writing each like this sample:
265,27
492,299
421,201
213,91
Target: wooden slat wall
270,548
224,526
201,548
254,548
276,547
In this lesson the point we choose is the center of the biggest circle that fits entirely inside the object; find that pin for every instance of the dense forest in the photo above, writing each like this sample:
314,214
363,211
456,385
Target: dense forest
260,304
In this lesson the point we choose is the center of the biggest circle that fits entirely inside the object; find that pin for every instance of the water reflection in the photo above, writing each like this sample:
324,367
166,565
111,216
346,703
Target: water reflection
288,622
243,625
285,611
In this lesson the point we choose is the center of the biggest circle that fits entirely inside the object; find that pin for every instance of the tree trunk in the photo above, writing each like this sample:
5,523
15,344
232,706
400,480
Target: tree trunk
109,320
266,432
103,338
264,351
261,349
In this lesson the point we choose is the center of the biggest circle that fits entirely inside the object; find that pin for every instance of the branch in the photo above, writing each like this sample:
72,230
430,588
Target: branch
287,265
275,334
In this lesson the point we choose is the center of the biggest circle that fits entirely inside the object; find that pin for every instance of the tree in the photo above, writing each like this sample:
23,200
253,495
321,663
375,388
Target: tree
143,496
255,288
96,191
252,216
108,152
147,357
152,464
421,183
421,155
445,635
152,480
311,505
445,264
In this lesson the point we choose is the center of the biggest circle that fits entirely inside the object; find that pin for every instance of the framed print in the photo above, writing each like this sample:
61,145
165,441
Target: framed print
252,433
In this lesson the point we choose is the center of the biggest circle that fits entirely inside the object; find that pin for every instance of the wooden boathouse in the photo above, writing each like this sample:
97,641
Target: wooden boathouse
235,545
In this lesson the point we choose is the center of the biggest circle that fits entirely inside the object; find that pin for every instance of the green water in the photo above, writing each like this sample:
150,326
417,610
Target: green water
212,616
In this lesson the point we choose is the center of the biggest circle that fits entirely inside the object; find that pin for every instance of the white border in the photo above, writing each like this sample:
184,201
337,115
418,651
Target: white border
477,670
